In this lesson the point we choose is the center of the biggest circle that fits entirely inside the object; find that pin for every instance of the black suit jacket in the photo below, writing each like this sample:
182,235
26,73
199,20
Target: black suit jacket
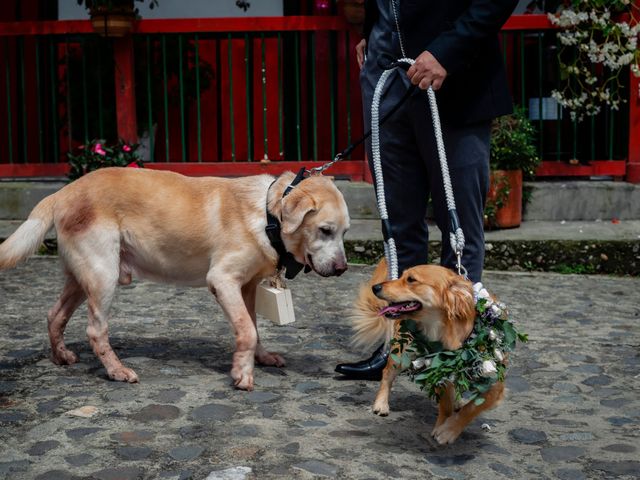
463,36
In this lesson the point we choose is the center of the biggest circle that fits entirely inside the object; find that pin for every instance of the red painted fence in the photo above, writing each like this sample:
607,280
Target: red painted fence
226,135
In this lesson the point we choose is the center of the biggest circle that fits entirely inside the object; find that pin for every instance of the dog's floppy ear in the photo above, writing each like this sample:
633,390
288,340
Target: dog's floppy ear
460,312
295,207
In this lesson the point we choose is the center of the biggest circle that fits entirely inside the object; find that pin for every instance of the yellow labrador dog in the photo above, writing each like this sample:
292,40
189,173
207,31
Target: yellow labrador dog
117,223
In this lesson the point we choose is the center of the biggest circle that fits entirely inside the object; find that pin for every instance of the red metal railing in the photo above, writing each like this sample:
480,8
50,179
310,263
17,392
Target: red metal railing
328,111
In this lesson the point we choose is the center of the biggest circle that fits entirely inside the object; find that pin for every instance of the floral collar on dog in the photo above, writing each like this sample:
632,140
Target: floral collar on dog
471,369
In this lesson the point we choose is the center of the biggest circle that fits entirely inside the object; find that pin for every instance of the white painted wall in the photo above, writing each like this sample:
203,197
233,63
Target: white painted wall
70,10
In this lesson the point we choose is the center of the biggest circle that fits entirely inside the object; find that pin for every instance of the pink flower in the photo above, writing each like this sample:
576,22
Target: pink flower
97,148
133,164
126,148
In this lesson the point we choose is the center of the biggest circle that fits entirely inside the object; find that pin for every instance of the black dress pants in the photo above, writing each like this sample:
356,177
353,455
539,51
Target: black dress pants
412,175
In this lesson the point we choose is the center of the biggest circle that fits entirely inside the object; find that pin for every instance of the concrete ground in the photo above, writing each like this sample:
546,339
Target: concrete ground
572,410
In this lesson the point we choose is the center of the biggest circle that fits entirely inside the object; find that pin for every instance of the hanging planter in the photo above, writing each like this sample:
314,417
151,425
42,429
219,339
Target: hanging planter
114,23
113,18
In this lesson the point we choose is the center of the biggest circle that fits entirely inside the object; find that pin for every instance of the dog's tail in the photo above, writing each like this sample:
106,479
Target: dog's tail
370,328
28,237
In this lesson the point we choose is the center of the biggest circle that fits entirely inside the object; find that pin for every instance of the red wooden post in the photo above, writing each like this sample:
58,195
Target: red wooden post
125,89
633,160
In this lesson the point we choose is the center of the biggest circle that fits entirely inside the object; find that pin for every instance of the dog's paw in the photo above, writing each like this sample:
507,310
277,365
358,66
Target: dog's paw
123,374
380,408
245,382
271,359
242,369
63,357
446,433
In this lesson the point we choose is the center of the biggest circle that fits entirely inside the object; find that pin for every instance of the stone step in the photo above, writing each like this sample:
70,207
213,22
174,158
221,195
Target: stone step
549,201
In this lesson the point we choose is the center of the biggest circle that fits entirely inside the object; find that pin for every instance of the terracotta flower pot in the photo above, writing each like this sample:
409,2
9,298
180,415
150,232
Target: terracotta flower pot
506,188
112,23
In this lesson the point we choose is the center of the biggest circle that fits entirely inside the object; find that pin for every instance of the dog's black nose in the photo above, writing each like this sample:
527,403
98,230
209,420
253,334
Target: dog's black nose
376,289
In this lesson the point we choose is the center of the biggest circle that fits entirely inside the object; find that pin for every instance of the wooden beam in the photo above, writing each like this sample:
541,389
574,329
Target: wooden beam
184,25
348,168
125,88
614,168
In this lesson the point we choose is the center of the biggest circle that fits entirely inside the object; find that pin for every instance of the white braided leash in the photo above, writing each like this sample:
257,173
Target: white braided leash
390,251
456,238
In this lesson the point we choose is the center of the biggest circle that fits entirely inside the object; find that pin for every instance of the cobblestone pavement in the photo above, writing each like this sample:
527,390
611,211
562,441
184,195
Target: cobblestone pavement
572,410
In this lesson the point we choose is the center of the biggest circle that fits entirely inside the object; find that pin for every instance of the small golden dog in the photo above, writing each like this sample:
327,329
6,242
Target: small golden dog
117,223
442,304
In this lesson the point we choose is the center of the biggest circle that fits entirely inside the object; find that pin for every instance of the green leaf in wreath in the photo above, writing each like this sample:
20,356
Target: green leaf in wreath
509,335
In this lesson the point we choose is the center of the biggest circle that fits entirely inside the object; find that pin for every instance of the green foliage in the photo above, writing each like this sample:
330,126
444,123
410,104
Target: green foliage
512,144
96,154
575,269
473,368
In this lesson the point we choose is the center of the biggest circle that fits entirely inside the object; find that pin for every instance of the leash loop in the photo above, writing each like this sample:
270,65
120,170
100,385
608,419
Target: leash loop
319,170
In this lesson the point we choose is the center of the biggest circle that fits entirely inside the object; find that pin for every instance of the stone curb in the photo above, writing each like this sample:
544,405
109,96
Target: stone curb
611,257
562,256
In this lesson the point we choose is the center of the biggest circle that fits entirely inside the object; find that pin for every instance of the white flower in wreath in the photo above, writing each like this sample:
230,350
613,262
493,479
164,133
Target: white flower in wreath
421,362
480,292
493,335
498,355
488,369
496,310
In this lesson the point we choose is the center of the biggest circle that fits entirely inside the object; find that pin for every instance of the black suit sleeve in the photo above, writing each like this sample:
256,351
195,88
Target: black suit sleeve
455,48
370,17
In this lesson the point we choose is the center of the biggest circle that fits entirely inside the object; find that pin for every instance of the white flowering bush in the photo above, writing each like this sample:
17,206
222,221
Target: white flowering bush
599,40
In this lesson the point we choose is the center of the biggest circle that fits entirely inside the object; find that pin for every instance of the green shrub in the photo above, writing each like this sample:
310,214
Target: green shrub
512,144
97,154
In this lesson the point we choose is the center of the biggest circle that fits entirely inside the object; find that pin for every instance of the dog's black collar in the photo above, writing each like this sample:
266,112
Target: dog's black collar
273,230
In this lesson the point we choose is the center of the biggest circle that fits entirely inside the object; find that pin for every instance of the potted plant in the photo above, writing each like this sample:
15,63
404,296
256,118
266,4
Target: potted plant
513,157
113,18
98,154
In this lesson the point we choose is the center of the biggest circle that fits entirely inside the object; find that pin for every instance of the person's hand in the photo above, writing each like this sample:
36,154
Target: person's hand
360,49
427,71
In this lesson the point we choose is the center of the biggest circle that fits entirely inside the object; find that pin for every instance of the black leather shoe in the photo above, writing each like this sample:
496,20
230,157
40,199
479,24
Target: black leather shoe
369,369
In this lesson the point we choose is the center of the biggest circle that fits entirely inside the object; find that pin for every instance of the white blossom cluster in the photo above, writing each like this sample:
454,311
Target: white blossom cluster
603,47
487,367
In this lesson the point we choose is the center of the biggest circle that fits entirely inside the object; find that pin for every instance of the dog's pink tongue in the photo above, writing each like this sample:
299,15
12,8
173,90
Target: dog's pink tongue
388,309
